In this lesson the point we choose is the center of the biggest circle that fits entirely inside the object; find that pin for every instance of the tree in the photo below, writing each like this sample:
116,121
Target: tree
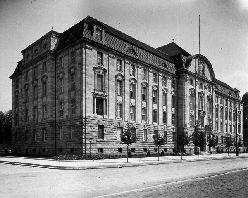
5,127
183,140
212,141
229,143
128,136
159,140
199,138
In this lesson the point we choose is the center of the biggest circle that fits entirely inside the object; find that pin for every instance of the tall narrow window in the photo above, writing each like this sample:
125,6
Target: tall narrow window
132,91
119,87
164,81
34,135
100,83
173,101
216,112
61,133
44,67
44,111
26,95
119,65
144,93
132,113
164,99
155,116
35,113
99,106
61,85
35,92
100,58
173,83
73,84
144,134
35,74
73,106
44,88
101,131
155,96
155,77
144,74
132,70
165,137
73,56
61,108
60,63
119,110
26,114
144,113
165,117
173,119
44,134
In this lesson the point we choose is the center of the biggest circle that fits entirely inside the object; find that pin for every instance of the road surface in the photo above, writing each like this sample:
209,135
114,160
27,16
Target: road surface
26,181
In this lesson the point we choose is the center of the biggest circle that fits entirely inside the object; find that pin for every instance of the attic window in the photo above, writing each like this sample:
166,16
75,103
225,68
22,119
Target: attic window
44,46
165,65
130,50
98,34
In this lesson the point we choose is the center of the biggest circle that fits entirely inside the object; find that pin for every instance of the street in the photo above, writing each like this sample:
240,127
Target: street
153,180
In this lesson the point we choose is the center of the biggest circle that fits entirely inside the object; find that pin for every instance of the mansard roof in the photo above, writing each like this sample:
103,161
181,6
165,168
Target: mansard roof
17,69
172,49
75,32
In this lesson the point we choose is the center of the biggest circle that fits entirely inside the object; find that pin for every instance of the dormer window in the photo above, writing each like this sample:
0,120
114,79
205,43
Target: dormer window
98,34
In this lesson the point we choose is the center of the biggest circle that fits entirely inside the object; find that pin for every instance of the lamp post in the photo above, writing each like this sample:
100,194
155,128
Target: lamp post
236,134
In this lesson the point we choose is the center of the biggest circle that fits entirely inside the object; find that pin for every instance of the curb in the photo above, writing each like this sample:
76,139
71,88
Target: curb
122,165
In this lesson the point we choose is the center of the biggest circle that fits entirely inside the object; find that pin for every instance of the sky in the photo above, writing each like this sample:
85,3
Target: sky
224,30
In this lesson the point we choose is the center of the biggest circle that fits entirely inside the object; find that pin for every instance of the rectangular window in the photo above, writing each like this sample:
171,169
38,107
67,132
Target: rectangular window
165,137
61,109
144,74
119,110
173,84
230,128
26,114
132,113
61,85
99,106
44,68
119,133
60,63
164,99
44,88
98,34
35,92
144,134
44,134
173,119
101,131
155,116
73,106
173,136
119,87
35,72
155,96
119,65
44,111
132,70
173,101
73,56
216,112
143,113
34,135
143,93
100,58
216,99
35,114
155,77
230,115
164,81
100,82
61,133
73,84
165,117
71,133
132,91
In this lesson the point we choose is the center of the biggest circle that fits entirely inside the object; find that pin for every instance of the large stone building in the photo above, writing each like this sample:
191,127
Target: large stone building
245,118
78,90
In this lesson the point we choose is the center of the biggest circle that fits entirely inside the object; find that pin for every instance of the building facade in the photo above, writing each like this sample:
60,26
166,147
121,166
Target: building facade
245,118
76,91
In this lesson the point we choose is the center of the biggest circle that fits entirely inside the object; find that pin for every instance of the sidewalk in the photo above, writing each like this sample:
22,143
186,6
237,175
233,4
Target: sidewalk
110,163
